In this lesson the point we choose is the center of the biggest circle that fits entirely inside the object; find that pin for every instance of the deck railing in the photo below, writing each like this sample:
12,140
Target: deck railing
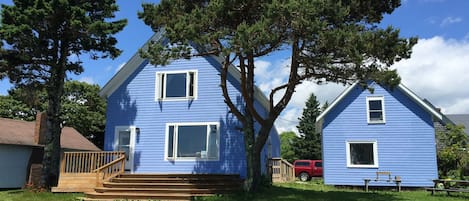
110,170
87,162
82,171
282,170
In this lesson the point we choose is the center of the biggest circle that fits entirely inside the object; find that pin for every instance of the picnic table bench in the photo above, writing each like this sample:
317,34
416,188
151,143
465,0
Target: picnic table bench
387,178
448,185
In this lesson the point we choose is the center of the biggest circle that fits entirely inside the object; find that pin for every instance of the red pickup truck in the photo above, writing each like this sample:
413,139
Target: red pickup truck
305,169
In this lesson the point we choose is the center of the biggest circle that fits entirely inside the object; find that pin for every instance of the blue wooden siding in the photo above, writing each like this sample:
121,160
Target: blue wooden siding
133,104
14,165
405,143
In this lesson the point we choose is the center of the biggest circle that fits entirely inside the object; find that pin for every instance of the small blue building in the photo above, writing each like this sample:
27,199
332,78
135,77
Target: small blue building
388,130
173,118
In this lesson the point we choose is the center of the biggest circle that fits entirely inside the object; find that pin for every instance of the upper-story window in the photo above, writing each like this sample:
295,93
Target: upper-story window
375,109
176,85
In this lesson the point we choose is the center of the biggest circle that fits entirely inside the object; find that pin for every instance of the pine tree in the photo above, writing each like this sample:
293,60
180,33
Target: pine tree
308,145
41,36
332,41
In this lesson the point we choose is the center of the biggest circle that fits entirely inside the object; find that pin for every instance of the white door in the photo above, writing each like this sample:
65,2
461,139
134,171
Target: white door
124,141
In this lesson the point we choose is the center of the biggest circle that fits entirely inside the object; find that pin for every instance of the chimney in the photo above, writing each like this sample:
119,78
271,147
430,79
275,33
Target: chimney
40,128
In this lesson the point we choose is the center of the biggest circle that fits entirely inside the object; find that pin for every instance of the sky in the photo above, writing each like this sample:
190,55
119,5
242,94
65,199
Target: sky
438,69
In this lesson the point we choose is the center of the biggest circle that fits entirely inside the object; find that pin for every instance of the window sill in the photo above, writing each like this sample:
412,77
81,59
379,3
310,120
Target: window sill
376,122
363,166
176,99
192,159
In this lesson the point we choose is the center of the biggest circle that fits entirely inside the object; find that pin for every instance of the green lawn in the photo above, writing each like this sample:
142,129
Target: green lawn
319,192
20,195
287,192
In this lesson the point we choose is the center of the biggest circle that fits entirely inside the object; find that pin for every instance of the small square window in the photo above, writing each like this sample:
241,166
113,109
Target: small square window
362,154
375,109
176,85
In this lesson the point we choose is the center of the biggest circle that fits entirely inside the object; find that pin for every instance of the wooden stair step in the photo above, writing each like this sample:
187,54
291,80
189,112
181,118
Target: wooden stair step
179,175
139,196
166,185
192,191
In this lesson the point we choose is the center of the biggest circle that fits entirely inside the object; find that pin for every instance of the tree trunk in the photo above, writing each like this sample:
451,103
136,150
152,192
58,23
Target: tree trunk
52,149
252,159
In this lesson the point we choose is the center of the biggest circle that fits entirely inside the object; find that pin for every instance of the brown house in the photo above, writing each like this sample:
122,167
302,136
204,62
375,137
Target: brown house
21,149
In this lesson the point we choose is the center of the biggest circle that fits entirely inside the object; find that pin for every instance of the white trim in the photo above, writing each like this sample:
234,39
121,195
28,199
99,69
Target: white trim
161,95
374,98
132,136
402,87
129,67
375,153
135,61
420,101
336,101
175,157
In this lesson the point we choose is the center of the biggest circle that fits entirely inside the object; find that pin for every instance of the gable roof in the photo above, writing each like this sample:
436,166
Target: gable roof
424,104
460,119
135,61
17,132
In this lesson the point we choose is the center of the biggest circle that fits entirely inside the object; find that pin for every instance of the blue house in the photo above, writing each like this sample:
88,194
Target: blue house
390,130
173,118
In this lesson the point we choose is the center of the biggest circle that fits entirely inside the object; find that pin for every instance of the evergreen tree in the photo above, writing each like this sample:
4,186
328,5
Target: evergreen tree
328,40
308,145
41,37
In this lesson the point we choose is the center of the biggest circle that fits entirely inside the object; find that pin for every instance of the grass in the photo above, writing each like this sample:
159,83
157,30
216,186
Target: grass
319,192
286,192
20,195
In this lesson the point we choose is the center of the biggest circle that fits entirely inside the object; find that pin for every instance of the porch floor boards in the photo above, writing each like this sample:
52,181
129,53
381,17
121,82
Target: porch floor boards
164,186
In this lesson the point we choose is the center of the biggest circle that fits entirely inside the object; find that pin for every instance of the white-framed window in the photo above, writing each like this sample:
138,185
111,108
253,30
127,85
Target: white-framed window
362,154
176,85
375,110
192,141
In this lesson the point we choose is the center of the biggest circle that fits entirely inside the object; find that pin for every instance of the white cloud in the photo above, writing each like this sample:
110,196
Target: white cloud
120,66
438,71
450,20
88,80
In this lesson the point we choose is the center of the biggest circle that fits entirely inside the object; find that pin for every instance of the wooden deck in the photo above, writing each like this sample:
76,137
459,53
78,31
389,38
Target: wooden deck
83,171
281,170
100,175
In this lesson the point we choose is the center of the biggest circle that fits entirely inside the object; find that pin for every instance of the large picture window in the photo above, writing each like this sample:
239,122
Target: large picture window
362,154
192,141
375,109
174,85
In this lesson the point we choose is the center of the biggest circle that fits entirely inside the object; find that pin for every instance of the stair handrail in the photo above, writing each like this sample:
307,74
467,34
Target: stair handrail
110,170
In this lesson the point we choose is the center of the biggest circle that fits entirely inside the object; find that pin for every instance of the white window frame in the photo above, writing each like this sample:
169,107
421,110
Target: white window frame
160,93
175,144
374,98
375,153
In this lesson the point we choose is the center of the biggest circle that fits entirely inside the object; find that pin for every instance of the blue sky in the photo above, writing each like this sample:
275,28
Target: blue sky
438,69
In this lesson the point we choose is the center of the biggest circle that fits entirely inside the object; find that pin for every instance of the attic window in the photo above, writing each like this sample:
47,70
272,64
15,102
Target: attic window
375,110
176,85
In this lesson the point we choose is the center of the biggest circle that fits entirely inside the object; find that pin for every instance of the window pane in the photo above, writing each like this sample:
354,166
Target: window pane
375,105
318,164
376,116
361,154
176,85
124,137
125,148
212,142
170,141
192,141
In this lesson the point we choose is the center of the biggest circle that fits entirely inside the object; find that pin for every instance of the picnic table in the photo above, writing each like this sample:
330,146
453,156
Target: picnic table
449,185
387,178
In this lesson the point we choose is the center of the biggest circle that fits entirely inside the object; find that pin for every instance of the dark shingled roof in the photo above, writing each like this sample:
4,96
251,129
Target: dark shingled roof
460,119
19,132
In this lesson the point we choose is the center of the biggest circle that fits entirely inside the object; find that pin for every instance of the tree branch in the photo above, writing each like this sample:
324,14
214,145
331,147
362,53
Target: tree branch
228,101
